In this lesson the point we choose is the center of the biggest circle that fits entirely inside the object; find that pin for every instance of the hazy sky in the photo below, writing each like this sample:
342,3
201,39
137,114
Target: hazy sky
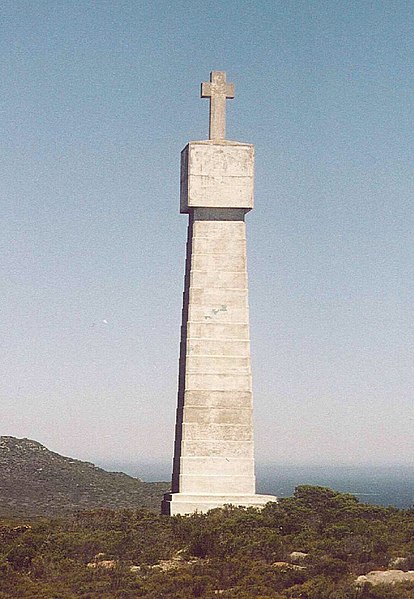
98,98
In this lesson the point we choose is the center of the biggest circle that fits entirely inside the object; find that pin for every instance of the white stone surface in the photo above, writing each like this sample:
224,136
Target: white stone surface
184,503
218,90
217,175
214,453
214,456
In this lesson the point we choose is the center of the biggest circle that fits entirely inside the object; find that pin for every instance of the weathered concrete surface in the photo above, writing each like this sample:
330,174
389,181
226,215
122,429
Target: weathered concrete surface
217,175
214,453
218,90
182,503
213,458
215,414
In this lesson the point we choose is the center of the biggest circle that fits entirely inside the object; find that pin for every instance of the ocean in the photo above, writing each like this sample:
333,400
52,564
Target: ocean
380,485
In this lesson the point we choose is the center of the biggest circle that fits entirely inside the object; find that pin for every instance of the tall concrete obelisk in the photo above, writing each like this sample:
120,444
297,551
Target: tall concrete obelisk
213,458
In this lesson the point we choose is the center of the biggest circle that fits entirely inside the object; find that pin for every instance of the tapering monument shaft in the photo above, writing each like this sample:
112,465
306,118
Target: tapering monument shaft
213,458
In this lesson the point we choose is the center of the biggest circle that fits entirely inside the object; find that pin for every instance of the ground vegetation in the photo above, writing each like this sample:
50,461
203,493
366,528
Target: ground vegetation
310,546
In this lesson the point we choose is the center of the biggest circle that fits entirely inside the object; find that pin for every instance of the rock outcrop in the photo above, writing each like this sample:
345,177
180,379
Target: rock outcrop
385,577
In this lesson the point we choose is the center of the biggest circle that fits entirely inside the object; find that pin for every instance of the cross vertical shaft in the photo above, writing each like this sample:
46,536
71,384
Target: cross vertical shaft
218,90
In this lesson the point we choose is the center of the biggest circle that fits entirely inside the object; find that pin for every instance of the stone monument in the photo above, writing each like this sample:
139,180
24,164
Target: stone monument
213,458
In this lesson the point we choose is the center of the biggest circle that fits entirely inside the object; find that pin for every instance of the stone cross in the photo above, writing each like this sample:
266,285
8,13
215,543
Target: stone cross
214,456
218,90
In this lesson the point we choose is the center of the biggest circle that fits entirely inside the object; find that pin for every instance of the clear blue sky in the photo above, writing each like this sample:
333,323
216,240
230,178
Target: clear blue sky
98,98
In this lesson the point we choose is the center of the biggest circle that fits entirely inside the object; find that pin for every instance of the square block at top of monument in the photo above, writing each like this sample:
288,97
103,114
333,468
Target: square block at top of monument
217,174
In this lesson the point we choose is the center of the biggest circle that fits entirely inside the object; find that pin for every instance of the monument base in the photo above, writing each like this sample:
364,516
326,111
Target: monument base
184,503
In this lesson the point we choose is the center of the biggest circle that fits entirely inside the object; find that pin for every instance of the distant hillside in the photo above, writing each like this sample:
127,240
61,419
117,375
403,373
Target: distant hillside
37,482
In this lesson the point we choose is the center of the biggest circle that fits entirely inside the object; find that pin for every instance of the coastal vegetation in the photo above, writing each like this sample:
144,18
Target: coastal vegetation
313,545
35,481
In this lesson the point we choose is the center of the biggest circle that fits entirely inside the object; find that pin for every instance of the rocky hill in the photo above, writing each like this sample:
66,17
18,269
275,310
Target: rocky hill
37,482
